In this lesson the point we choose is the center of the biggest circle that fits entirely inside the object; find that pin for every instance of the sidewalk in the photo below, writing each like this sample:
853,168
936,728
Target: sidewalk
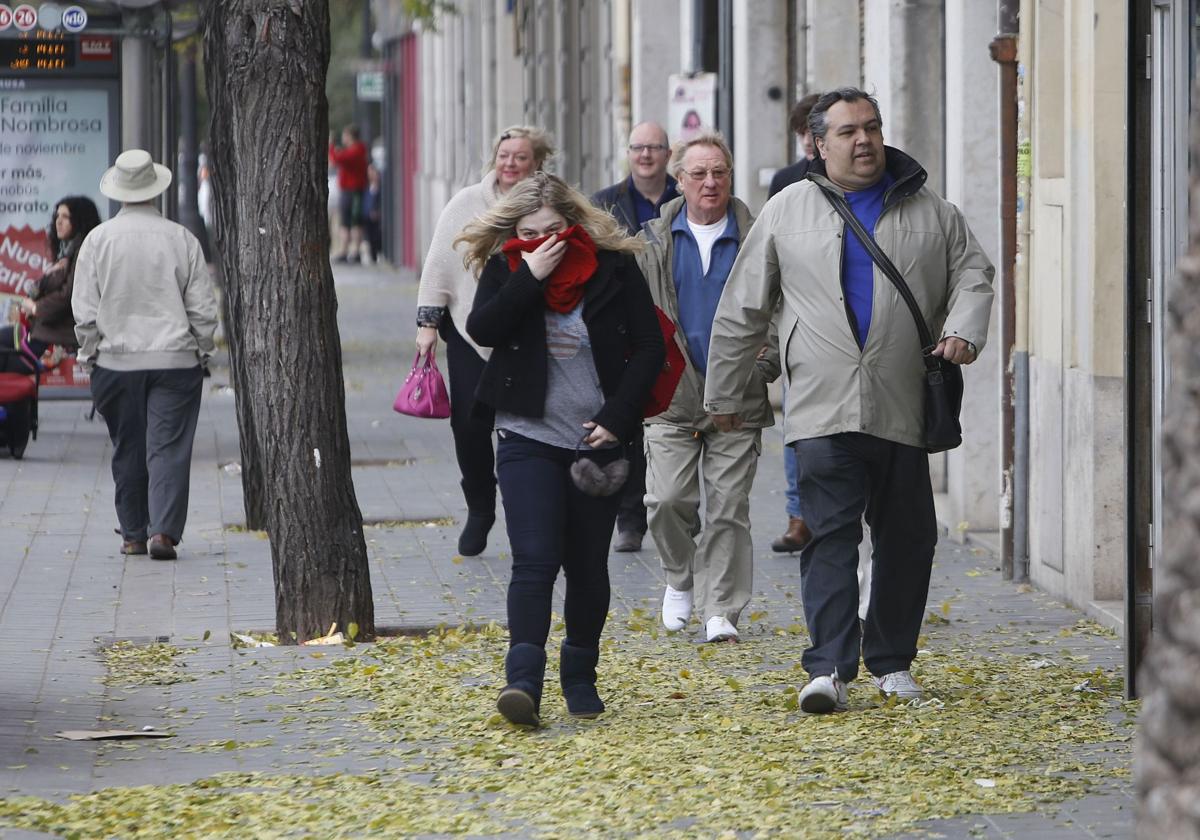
66,595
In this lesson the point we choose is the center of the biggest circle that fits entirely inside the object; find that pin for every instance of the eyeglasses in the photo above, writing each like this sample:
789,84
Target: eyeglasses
718,173
638,148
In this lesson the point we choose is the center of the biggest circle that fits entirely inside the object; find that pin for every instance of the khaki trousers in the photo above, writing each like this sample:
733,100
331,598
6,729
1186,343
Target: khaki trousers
719,567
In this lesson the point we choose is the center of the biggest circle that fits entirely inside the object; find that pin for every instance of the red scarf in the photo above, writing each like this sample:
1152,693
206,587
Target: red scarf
564,286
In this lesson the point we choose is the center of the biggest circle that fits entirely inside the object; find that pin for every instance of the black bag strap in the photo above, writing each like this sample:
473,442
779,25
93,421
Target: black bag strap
886,266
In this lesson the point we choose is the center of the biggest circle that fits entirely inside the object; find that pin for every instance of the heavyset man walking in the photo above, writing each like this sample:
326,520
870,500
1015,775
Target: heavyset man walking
633,202
690,248
145,314
854,370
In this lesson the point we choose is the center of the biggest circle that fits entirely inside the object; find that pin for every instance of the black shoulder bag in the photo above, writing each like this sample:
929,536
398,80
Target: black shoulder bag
943,379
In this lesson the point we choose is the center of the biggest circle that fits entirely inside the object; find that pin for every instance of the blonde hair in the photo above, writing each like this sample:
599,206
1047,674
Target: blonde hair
704,138
539,140
484,236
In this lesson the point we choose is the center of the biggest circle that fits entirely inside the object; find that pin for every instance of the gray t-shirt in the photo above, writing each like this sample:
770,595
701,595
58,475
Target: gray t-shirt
573,394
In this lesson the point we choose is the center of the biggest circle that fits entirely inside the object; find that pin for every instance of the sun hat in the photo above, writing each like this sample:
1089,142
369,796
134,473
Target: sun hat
134,176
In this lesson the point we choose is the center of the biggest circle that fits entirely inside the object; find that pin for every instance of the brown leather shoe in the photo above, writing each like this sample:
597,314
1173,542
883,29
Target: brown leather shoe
133,547
794,538
162,547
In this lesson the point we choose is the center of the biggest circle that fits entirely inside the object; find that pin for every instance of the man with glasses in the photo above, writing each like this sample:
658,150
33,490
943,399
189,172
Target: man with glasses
633,202
690,251
638,198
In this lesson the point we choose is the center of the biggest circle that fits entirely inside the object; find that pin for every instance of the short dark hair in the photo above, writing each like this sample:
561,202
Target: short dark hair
818,121
798,121
352,130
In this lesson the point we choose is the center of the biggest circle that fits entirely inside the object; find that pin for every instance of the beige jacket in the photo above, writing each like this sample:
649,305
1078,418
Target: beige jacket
444,280
687,406
833,386
143,298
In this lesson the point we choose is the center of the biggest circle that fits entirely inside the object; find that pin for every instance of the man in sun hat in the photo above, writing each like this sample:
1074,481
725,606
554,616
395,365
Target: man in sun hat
145,313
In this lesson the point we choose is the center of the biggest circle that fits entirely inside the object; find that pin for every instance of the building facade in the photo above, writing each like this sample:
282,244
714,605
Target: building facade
1063,409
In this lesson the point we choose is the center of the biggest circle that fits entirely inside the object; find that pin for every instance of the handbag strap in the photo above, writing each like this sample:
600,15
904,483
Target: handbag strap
886,266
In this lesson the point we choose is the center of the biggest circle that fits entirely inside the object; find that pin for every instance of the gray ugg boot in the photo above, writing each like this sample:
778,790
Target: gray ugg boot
577,673
525,668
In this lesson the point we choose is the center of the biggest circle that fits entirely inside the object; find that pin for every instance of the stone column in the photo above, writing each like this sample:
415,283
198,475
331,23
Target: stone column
760,103
972,182
656,53
832,45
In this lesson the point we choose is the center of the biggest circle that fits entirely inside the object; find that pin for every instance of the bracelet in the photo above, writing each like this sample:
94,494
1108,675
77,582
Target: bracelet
430,316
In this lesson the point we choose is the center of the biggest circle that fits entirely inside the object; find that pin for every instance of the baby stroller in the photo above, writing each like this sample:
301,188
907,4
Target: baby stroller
20,378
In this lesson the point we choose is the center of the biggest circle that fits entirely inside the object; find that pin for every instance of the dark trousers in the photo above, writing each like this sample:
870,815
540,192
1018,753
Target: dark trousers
472,428
151,417
552,526
631,515
840,476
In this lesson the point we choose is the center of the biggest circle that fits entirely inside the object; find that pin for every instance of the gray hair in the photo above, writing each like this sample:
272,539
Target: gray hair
704,138
818,117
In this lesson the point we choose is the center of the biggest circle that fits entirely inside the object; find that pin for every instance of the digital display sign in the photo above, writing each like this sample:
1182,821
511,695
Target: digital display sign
53,53
38,53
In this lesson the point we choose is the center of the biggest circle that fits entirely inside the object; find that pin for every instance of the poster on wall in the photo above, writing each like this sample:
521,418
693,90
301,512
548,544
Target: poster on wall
56,139
693,104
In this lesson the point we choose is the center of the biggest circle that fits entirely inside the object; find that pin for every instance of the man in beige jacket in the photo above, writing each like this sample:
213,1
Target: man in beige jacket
854,372
690,249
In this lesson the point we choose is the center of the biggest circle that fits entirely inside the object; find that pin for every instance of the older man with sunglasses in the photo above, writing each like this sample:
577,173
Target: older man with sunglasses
690,251
633,202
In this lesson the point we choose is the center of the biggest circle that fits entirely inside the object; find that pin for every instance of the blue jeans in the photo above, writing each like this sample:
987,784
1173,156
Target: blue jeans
552,525
789,469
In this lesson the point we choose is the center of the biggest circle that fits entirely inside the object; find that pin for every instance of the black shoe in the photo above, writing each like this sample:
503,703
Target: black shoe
525,669
473,539
577,673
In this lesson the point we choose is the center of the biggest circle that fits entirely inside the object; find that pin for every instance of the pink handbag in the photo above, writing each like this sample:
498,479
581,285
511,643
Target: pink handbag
423,393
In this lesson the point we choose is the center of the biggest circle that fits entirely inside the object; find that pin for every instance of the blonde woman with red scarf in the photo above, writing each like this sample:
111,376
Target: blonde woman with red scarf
576,349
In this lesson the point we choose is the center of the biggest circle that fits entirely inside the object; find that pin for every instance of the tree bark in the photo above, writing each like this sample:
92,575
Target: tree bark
1168,748
266,62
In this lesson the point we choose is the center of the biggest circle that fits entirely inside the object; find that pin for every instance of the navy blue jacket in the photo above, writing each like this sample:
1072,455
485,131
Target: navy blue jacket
789,175
618,200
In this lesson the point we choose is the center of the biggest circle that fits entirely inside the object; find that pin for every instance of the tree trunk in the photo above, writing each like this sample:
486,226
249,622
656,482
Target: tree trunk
254,487
1168,749
266,62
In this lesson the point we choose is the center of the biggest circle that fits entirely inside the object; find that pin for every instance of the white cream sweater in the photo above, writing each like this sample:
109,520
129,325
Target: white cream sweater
444,280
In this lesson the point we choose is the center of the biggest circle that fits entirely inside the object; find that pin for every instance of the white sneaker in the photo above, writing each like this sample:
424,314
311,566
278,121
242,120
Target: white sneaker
676,609
823,695
720,629
899,684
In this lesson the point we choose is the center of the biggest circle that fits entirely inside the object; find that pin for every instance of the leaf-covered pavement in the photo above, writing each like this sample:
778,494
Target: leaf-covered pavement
699,740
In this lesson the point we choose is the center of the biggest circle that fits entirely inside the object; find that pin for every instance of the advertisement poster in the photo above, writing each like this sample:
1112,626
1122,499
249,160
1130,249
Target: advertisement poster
693,104
55,141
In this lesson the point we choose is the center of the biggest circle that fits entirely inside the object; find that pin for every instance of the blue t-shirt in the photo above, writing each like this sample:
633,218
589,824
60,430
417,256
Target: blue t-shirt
858,270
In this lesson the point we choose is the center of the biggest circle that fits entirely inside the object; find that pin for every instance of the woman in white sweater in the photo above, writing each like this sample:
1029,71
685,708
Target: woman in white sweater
443,303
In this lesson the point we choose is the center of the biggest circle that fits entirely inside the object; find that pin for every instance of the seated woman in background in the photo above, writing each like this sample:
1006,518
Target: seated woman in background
48,308
576,348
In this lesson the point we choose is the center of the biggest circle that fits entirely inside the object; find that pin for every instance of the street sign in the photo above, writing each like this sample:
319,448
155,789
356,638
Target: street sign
74,19
370,86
